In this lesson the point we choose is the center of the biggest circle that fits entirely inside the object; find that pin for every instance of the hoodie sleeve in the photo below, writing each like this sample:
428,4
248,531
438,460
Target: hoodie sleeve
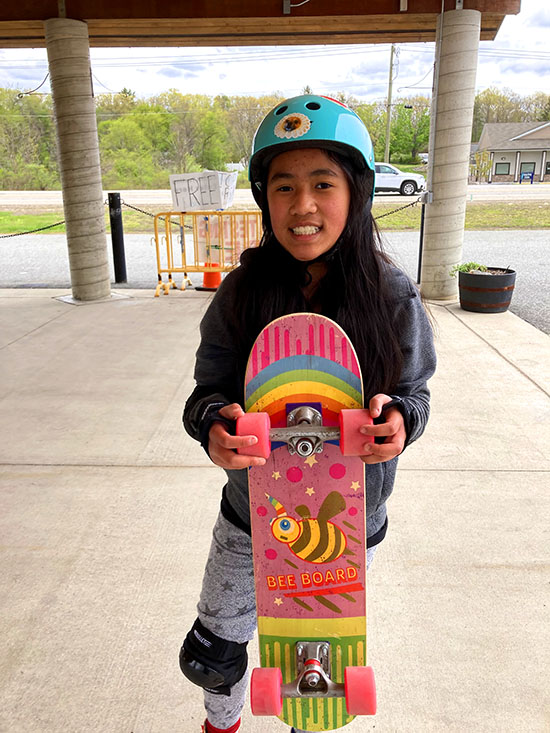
216,368
411,395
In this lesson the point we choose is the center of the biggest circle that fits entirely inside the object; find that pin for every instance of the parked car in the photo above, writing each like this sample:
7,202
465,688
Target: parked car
390,178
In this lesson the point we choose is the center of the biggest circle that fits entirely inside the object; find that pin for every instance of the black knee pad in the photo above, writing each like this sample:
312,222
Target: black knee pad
211,662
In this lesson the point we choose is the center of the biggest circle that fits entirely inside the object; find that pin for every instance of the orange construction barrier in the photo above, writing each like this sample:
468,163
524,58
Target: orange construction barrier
210,242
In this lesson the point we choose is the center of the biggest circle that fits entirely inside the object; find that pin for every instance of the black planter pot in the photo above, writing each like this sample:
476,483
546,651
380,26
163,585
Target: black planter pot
484,293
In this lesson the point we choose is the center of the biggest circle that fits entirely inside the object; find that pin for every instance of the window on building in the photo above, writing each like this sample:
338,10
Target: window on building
548,168
527,168
502,169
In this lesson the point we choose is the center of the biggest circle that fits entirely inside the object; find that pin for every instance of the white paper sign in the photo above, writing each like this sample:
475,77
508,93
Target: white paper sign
202,190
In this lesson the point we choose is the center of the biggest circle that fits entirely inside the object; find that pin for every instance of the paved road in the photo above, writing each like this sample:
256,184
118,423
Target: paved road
42,261
243,197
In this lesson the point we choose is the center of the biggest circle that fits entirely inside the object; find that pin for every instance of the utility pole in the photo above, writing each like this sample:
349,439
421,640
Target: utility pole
388,107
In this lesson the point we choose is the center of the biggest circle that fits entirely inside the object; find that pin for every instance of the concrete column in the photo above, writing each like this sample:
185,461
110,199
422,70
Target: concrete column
78,150
454,91
543,165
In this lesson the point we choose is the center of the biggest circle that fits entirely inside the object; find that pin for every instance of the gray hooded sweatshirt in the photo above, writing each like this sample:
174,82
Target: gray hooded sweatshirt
219,383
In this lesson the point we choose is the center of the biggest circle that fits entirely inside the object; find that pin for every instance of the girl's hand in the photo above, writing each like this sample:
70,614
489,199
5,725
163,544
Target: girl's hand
222,445
393,430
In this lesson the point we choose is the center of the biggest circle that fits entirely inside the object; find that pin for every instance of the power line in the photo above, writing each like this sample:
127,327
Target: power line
201,60
274,54
494,51
33,91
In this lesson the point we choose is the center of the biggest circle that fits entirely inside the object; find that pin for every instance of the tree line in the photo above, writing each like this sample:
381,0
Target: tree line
143,141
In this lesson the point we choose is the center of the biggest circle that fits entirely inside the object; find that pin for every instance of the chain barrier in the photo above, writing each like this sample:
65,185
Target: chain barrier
186,226
135,208
148,213
59,223
401,208
32,231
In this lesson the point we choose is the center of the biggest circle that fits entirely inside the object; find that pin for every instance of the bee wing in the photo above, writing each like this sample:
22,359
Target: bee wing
333,504
303,511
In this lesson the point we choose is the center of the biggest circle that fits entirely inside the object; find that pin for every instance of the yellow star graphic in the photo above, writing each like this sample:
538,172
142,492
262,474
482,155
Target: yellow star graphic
310,490
311,461
278,601
355,485
276,475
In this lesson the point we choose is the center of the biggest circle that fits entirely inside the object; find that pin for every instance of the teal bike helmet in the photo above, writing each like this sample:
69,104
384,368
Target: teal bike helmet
310,121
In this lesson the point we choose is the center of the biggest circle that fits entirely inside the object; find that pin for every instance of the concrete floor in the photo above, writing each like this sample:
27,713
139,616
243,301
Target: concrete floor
106,508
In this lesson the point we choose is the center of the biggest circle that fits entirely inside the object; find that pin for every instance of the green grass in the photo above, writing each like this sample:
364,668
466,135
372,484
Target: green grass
13,223
479,216
411,167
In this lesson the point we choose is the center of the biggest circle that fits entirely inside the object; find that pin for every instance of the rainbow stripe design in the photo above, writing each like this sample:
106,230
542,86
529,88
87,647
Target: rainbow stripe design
313,361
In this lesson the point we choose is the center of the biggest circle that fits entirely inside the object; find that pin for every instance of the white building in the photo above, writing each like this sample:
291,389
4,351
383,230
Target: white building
517,150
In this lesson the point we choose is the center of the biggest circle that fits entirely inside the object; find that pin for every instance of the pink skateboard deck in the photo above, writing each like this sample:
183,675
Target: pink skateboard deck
308,524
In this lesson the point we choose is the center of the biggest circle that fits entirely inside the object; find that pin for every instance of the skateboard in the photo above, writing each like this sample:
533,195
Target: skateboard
304,403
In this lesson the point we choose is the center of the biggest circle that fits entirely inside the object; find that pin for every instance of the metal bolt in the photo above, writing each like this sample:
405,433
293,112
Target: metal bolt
313,678
304,448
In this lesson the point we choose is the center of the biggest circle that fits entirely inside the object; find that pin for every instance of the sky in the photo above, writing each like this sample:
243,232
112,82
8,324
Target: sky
518,59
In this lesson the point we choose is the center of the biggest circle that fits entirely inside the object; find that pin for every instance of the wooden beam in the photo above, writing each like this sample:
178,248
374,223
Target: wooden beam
145,9
283,30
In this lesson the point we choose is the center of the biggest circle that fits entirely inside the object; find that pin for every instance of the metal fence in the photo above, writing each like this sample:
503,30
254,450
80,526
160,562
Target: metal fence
214,244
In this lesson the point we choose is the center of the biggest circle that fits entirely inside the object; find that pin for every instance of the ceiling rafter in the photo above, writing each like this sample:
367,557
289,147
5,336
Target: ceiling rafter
242,22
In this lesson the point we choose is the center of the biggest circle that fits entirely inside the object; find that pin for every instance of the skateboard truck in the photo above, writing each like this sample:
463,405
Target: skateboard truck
313,672
305,433
267,691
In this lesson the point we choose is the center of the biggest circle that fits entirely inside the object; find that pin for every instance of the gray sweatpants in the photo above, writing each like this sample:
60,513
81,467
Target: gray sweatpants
227,607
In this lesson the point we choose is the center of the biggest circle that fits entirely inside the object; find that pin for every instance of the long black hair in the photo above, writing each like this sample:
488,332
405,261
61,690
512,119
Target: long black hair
355,290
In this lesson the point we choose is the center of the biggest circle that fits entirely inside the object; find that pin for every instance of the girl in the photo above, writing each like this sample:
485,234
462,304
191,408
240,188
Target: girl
312,174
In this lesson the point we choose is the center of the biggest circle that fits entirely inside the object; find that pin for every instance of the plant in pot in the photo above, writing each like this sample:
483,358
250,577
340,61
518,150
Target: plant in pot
483,289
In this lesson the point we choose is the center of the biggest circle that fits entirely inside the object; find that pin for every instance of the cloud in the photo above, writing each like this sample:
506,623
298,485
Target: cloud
171,71
378,68
23,79
175,71
541,19
540,68
371,92
192,68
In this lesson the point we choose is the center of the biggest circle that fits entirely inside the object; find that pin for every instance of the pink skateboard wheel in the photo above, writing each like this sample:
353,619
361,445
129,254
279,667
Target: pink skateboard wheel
257,424
360,690
265,691
351,440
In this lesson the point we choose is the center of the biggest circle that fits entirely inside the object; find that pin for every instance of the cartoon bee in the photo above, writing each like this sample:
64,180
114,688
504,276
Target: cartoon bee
315,540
